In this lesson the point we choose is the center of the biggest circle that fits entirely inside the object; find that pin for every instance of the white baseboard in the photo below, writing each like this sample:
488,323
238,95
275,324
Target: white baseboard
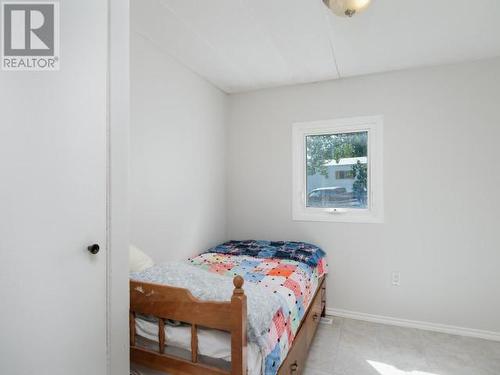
461,331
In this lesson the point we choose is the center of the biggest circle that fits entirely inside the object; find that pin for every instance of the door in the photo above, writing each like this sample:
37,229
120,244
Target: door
53,205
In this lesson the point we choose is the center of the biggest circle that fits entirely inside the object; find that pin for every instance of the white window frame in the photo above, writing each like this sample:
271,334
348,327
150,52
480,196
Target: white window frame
374,213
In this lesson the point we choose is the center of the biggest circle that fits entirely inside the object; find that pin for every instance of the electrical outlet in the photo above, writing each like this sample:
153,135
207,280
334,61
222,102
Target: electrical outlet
396,278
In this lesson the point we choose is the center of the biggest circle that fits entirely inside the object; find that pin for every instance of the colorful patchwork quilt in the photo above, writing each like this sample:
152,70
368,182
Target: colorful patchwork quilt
276,267
299,251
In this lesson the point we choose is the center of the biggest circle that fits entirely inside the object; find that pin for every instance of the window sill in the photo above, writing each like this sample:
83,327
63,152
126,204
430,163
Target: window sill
349,216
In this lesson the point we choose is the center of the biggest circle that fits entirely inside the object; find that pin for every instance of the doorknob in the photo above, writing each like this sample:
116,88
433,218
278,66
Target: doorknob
94,249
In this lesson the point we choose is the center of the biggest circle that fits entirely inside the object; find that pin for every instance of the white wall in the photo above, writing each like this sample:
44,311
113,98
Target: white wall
441,178
177,156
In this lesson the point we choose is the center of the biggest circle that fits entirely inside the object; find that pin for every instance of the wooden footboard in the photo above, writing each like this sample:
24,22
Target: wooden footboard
166,302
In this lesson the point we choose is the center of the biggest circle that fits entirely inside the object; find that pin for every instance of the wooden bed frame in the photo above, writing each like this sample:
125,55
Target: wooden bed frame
166,302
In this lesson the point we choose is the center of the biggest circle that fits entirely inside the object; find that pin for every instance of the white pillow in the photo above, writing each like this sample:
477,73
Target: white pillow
138,260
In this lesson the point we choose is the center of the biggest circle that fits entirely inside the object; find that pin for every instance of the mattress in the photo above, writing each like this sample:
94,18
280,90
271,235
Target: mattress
287,273
212,344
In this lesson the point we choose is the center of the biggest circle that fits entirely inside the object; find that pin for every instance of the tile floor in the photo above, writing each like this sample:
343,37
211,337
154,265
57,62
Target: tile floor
353,347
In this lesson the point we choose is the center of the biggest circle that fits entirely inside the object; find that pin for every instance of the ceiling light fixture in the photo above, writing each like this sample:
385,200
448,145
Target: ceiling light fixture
347,8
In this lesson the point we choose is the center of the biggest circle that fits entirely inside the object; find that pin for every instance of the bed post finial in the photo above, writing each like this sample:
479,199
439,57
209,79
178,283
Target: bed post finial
238,283
239,329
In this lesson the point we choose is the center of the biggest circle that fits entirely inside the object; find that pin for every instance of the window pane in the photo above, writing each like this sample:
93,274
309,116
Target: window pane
337,170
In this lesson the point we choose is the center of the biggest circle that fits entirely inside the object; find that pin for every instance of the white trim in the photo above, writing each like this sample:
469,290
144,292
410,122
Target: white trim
108,192
427,326
375,212
118,107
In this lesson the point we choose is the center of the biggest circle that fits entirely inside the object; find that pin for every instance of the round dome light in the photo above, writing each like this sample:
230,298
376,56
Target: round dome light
347,8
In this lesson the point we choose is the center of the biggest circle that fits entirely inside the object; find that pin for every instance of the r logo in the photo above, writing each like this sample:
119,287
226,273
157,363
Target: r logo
30,30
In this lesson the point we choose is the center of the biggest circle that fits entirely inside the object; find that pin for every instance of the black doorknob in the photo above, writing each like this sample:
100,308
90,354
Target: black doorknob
94,249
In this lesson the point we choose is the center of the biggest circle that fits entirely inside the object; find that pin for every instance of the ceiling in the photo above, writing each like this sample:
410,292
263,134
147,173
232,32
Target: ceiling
243,45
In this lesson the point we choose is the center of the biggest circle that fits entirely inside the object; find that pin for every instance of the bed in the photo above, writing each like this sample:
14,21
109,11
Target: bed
243,307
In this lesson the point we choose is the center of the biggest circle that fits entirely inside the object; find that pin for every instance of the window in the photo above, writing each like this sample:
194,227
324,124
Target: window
337,170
